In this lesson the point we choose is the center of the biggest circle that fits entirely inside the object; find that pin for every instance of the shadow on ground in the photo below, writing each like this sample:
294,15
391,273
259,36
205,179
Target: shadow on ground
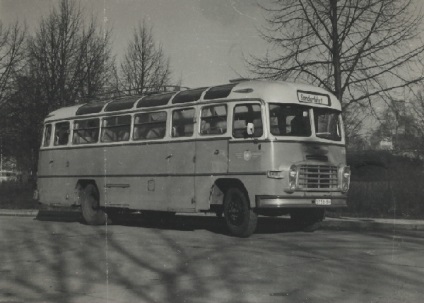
137,260
266,225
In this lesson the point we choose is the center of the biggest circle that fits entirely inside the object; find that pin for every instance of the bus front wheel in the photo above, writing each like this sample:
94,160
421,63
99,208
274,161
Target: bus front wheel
241,220
90,206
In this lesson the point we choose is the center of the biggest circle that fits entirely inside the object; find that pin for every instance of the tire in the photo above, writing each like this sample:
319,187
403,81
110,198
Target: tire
90,206
241,220
307,219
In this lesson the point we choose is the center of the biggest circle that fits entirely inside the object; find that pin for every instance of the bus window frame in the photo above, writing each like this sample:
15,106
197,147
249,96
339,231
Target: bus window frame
75,131
103,128
340,125
201,117
288,136
173,130
43,142
69,131
134,125
263,118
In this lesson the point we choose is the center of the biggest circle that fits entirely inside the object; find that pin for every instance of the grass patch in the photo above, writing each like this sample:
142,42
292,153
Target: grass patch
16,195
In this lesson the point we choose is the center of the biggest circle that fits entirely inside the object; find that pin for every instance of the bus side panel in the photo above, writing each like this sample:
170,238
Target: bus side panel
126,178
56,191
211,163
180,162
246,161
54,186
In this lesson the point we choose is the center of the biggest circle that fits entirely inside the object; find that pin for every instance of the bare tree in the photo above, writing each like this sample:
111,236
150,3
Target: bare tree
12,54
360,50
68,57
144,65
21,122
67,60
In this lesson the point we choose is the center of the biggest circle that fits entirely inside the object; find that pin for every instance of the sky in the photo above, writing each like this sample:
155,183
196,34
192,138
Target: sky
205,40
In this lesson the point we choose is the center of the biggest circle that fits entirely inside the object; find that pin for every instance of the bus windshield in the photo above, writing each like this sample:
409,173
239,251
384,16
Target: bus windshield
294,120
327,124
290,120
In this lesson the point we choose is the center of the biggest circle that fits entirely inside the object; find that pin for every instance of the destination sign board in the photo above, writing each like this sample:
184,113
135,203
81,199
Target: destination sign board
310,97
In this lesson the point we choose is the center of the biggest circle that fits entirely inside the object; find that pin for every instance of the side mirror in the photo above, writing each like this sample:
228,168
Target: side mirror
250,129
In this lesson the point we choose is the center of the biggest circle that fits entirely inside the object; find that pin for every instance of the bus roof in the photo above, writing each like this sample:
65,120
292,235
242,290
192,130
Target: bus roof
269,91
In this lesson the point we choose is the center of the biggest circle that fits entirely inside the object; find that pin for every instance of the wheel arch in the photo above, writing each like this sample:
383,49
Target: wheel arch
82,183
223,184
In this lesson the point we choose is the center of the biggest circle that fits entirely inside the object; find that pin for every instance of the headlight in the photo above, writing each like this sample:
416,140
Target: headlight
292,177
345,178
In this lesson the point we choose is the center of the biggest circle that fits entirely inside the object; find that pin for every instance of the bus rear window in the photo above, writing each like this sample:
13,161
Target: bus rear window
290,120
61,133
327,124
47,135
86,131
116,128
150,126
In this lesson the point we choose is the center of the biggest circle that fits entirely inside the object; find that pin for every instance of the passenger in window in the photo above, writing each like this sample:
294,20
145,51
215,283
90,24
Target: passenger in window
205,127
62,136
299,126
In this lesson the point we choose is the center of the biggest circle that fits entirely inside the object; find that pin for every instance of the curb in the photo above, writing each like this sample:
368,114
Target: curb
328,224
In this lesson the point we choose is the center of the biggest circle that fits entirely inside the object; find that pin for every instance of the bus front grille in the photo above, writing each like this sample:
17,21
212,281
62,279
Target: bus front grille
317,177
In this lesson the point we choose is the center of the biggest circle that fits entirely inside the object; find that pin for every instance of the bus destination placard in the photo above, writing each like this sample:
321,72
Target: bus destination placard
307,97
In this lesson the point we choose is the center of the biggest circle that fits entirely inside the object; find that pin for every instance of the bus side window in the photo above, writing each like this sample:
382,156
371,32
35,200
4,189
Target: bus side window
244,114
182,122
150,126
47,134
213,120
86,131
61,133
116,128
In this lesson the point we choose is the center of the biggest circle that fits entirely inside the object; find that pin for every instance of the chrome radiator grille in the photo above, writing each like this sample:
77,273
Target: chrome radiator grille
317,177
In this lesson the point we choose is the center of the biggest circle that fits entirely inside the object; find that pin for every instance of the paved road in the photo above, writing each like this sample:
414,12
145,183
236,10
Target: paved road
192,259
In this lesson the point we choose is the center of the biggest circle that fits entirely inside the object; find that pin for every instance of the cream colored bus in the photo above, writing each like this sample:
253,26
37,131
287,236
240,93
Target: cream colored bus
241,149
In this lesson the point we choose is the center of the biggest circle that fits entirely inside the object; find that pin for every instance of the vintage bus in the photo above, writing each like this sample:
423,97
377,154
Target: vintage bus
241,149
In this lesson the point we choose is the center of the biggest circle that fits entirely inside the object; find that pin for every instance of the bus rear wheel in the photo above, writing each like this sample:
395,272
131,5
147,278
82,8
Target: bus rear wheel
241,220
90,206
307,219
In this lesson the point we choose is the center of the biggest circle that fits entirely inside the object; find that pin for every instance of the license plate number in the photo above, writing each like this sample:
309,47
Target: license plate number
323,201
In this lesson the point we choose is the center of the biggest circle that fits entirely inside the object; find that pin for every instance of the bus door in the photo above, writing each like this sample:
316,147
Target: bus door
245,152
181,161
211,150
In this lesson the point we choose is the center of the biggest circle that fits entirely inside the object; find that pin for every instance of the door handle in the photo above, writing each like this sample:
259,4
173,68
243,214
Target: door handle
216,152
169,157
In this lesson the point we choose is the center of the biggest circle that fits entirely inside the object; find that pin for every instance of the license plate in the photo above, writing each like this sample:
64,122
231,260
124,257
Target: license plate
322,201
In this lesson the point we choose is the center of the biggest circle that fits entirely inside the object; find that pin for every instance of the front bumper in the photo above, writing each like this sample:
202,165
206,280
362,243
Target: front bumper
292,202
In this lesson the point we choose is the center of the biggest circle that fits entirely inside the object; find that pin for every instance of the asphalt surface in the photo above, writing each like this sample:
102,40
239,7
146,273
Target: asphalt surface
342,223
191,259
